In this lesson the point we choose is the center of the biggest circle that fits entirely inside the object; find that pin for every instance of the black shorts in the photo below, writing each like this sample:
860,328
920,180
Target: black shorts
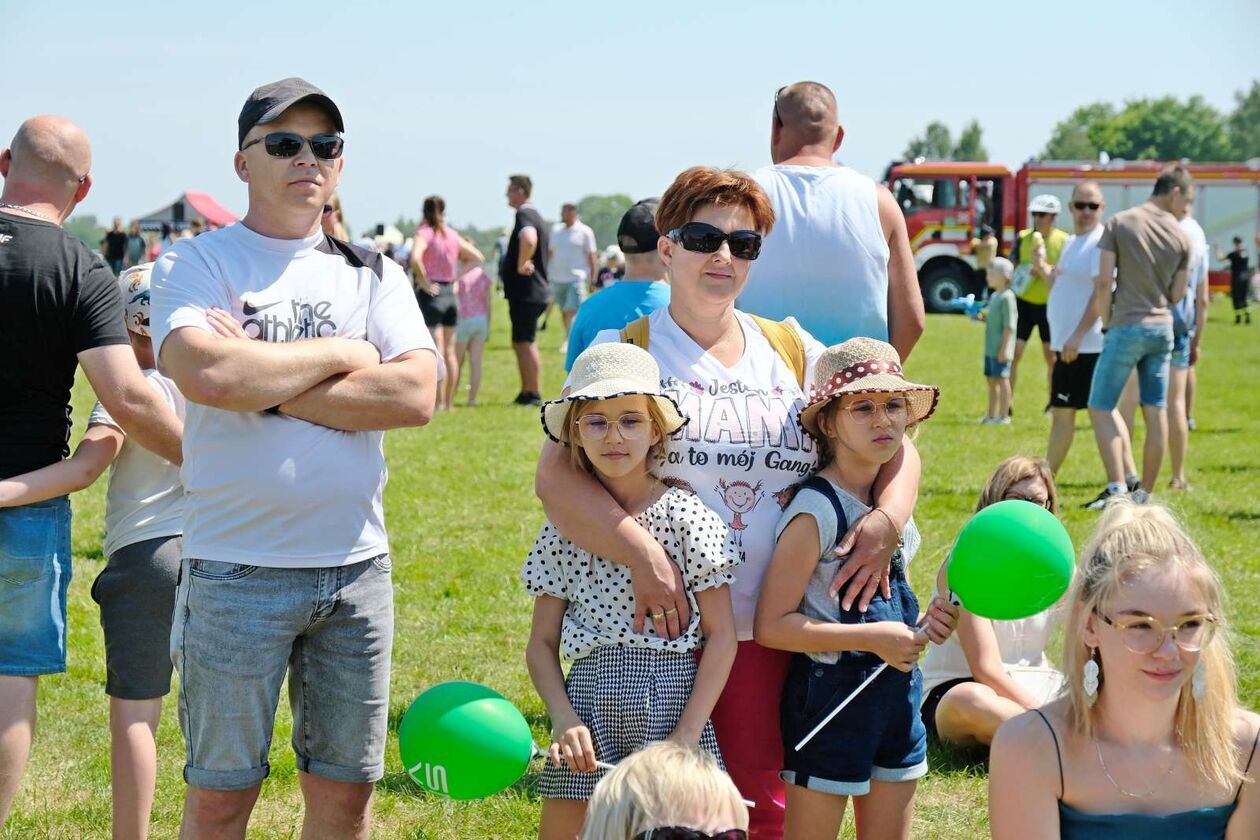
933,699
1032,315
524,316
441,310
1069,382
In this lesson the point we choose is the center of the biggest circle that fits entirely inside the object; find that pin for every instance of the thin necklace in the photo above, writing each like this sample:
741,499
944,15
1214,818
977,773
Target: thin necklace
1158,784
19,207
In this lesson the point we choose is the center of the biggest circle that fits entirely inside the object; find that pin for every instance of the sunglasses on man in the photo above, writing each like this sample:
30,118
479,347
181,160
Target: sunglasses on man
1086,205
287,144
704,238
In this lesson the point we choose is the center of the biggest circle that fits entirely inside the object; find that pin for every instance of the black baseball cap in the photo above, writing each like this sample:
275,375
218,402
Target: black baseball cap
270,101
637,232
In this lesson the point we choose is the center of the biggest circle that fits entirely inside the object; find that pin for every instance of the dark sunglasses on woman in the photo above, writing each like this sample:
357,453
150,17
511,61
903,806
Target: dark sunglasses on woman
679,833
287,144
706,239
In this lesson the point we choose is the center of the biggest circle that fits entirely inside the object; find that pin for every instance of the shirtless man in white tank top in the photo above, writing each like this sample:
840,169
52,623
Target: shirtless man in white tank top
839,259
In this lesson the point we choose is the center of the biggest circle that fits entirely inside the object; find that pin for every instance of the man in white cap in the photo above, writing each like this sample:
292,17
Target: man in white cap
295,351
1036,253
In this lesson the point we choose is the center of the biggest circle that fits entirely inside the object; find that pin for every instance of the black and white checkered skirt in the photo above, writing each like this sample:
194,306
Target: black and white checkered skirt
628,697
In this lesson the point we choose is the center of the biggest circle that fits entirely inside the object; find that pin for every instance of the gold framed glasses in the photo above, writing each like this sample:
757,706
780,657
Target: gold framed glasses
1143,634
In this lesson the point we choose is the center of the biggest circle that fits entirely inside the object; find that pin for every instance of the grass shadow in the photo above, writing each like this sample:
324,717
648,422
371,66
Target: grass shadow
946,759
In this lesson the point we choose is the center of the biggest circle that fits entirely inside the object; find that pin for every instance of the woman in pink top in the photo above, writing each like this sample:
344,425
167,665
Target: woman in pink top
436,252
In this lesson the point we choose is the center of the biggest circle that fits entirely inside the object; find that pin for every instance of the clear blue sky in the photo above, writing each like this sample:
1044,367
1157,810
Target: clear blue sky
587,97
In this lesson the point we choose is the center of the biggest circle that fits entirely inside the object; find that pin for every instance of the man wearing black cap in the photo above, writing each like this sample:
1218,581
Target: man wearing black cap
295,351
643,290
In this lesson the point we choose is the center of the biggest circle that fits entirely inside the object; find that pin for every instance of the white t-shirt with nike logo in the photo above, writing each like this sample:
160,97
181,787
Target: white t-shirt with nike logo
267,490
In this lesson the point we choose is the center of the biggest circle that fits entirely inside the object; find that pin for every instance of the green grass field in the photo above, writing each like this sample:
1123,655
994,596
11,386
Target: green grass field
462,514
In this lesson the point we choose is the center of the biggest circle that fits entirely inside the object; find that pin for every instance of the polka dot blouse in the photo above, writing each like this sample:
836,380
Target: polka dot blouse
601,599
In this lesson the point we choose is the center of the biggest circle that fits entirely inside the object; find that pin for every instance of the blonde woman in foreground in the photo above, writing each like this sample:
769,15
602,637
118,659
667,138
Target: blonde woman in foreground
1149,740
666,791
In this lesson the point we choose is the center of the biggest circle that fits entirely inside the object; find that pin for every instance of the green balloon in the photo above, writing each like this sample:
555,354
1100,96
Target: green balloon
1011,560
465,741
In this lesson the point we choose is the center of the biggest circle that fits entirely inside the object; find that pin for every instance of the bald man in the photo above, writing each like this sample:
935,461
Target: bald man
60,307
838,259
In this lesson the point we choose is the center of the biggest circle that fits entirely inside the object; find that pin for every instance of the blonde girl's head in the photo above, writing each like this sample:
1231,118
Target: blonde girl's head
1135,544
664,784
572,436
1022,477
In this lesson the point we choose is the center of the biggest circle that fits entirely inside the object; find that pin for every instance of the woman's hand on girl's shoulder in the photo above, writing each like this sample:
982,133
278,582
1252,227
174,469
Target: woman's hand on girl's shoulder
572,745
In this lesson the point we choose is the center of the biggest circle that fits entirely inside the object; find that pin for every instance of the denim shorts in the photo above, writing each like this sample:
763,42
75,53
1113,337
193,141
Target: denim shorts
34,576
476,328
1143,346
879,736
994,368
1180,357
238,629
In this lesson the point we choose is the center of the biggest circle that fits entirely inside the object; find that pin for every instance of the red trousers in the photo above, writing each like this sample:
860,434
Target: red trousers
746,720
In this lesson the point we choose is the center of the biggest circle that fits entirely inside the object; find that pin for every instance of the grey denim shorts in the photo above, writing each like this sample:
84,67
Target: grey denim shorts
240,629
136,594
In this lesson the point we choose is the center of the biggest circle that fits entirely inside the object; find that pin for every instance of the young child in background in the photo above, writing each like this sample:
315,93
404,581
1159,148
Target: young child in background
1000,318
876,748
144,511
472,294
625,689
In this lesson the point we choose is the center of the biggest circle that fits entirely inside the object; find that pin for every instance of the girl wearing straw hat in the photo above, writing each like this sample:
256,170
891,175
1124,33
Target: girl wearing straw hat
859,410
625,689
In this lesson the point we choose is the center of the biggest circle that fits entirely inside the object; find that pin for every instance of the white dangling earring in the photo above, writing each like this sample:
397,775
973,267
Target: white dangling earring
1198,683
1091,680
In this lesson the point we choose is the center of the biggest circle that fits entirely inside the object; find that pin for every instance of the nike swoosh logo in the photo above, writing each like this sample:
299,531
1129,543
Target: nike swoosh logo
251,309
1064,397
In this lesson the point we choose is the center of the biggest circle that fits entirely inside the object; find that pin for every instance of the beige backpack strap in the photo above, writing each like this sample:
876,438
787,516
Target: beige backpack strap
787,343
636,333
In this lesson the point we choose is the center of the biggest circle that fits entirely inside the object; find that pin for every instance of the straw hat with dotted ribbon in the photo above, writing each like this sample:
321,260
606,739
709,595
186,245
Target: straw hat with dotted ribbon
864,366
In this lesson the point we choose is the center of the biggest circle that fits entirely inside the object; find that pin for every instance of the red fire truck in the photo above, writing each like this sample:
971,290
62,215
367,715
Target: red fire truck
947,202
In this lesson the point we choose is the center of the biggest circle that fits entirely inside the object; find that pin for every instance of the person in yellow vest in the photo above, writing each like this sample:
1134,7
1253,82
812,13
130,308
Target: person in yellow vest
1037,251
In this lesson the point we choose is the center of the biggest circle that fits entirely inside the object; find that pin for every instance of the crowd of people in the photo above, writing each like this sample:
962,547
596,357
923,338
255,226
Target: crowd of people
729,485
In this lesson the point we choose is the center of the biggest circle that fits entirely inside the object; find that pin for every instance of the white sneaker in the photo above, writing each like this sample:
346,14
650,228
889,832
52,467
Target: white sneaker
987,420
1001,421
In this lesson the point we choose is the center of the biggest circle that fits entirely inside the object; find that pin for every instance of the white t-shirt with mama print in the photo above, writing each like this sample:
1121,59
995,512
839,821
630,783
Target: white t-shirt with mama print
742,449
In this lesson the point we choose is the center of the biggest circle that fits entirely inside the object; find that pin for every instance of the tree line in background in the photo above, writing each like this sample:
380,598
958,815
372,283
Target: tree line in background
1163,128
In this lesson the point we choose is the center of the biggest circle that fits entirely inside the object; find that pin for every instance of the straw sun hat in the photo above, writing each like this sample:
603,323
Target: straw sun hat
608,371
864,366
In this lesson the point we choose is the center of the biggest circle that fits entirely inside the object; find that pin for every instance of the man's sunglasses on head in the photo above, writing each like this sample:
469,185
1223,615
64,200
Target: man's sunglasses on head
287,144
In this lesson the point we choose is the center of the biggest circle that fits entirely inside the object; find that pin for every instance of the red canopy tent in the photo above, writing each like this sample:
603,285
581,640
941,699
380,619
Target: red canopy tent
188,207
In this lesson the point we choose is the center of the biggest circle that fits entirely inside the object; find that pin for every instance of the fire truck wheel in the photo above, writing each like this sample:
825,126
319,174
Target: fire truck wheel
942,285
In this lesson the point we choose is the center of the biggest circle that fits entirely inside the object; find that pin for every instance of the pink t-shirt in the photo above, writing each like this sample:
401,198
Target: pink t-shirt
472,291
441,253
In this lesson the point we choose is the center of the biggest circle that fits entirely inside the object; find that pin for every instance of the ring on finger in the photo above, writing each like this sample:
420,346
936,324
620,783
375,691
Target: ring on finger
657,616
671,611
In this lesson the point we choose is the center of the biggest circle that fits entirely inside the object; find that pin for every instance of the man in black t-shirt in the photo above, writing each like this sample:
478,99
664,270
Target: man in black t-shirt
524,275
60,307
114,246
